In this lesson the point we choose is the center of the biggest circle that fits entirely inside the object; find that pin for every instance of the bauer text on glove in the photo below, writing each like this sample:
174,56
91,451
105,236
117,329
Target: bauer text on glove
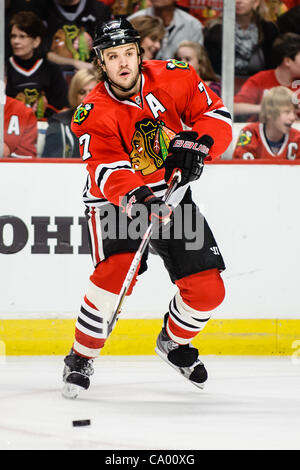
187,153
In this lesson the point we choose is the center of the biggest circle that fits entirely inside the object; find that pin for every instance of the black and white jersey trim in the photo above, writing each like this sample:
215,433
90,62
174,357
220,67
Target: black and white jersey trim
104,171
222,114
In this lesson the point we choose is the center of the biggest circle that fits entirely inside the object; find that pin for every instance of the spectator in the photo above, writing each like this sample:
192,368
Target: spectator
71,25
196,55
289,22
20,130
152,31
31,78
286,50
178,24
254,37
60,141
15,6
273,137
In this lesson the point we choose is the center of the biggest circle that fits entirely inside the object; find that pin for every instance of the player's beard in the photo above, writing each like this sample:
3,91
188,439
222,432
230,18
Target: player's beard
122,88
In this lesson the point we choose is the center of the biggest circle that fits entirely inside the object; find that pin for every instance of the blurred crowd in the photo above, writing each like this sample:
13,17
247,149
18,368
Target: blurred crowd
49,66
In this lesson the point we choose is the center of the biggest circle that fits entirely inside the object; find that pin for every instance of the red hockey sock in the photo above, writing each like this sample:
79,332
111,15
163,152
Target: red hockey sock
189,310
97,307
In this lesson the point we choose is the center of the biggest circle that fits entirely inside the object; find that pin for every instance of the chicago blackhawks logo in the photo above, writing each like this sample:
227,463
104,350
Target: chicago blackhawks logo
244,138
82,112
177,64
150,145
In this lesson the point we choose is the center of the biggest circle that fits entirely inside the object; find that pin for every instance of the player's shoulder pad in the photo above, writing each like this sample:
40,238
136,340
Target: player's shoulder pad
82,112
173,64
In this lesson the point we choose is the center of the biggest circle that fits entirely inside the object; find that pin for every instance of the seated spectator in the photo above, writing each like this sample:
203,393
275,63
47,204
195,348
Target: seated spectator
196,55
254,37
15,6
286,50
178,24
71,25
20,130
273,137
152,31
60,141
31,78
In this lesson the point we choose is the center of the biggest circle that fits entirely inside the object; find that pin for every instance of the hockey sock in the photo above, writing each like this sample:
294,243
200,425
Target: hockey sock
189,310
90,334
98,305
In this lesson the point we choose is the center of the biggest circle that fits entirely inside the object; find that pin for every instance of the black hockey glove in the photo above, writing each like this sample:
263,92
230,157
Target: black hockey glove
142,203
187,153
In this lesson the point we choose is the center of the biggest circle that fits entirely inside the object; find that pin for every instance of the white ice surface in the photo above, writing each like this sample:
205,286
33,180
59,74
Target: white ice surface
142,403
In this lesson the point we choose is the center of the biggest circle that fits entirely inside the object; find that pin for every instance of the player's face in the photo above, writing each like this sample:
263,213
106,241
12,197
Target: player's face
285,120
121,65
22,45
85,90
188,54
151,46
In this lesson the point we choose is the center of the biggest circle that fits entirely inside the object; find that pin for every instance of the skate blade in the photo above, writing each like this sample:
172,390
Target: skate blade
71,391
178,369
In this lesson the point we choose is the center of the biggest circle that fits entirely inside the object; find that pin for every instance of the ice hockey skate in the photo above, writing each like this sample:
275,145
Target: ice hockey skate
76,373
183,358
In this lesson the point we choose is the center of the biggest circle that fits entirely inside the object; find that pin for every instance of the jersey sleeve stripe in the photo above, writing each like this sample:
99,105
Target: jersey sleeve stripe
221,114
104,171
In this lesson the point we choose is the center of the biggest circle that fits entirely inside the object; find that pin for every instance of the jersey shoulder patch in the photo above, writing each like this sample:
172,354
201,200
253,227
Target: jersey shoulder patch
82,113
173,64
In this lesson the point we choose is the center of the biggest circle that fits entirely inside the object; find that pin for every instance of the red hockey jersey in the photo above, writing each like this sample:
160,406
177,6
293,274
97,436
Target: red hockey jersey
20,129
252,144
125,142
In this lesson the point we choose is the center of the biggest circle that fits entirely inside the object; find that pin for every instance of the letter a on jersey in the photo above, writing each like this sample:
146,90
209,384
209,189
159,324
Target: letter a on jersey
14,125
154,105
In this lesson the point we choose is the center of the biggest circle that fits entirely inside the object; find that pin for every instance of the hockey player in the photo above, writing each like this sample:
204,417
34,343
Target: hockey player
273,137
131,137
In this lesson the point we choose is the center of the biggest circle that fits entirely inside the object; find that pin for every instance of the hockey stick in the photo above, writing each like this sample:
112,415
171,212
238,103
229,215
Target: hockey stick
175,180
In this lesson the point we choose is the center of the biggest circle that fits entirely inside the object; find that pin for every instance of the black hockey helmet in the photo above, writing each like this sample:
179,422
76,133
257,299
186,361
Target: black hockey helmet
114,33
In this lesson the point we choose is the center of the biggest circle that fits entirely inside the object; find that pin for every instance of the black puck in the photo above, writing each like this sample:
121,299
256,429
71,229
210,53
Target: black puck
81,422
